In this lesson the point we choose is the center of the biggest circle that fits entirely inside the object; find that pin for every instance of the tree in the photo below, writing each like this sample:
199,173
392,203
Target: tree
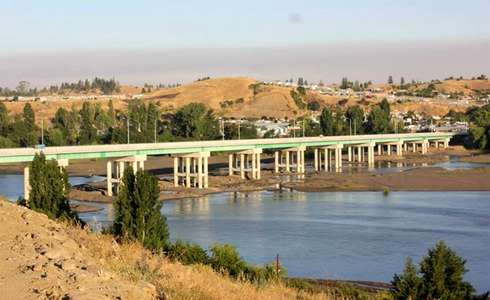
390,79
378,121
441,277
313,106
29,117
327,122
339,121
49,189
194,121
88,132
138,211
4,120
406,286
355,115
442,274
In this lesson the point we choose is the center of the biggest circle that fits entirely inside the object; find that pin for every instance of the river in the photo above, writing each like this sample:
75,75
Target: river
336,235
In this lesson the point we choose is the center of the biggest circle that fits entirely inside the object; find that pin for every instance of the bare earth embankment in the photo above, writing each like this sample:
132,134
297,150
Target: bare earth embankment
44,259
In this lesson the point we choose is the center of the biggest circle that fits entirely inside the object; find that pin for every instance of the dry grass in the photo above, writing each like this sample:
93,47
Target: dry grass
177,281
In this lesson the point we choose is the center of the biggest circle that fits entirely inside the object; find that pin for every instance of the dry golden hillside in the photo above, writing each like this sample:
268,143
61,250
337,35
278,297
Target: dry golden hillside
465,86
44,259
231,97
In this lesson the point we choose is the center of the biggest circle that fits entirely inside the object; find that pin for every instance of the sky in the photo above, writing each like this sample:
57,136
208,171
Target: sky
142,41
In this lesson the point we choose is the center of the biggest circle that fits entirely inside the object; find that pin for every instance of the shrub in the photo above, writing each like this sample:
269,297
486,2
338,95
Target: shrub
225,258
188,253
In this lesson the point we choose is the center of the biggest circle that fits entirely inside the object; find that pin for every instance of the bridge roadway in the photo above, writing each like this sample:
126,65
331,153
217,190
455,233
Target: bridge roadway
190,158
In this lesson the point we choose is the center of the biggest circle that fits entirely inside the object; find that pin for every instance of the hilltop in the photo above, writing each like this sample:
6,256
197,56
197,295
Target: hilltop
247,98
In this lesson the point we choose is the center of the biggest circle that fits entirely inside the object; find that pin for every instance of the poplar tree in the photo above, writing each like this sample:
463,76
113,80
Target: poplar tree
137,211
49,189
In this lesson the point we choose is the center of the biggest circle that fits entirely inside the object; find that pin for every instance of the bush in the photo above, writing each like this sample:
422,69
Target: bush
225,259
188,254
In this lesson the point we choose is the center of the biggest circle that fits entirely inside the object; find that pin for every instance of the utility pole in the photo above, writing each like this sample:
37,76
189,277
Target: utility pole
350,126
127,125
355,130
239,123
303,127
294,128
42,131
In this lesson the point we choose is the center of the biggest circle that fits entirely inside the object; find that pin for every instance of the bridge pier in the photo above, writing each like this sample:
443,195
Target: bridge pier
191,170
27,184
115,170
330,152
286,159
243,162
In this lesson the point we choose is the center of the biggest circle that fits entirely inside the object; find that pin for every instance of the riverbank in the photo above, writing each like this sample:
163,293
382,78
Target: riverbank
418,179
42,258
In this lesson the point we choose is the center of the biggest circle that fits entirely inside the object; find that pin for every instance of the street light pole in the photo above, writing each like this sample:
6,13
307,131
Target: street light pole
239,123
350,126
127,125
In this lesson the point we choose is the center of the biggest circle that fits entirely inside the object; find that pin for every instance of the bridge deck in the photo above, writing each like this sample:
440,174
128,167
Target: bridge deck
13,155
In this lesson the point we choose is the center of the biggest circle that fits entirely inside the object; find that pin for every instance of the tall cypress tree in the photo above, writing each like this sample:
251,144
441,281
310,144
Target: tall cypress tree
137,211
49,189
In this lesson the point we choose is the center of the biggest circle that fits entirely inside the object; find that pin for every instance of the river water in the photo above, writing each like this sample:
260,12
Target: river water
336,235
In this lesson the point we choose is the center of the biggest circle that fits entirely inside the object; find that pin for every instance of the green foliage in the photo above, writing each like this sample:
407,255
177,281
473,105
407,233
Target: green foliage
49,189
479,133
137,211
441,277
356,116
225,258
407,285
327,122
298,97
247,131
194,121
88,132
379,119
313,106
188,253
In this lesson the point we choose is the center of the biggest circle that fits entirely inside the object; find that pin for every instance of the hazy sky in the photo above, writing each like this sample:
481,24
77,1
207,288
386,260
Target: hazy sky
166,41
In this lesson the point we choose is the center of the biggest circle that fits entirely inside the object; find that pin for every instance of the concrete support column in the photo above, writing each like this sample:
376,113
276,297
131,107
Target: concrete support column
326,159
276,162
258,166
349,153
446,143
315,159
388,152
399,149
230,164
380,148
27,184
287,162
359,154
188,172
206,177
199,173
109,178
176,171
371,156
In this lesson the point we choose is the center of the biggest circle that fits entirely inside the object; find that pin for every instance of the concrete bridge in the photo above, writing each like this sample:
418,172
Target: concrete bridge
191,158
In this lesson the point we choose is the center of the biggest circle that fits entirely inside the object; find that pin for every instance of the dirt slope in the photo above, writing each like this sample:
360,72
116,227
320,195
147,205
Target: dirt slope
43,259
